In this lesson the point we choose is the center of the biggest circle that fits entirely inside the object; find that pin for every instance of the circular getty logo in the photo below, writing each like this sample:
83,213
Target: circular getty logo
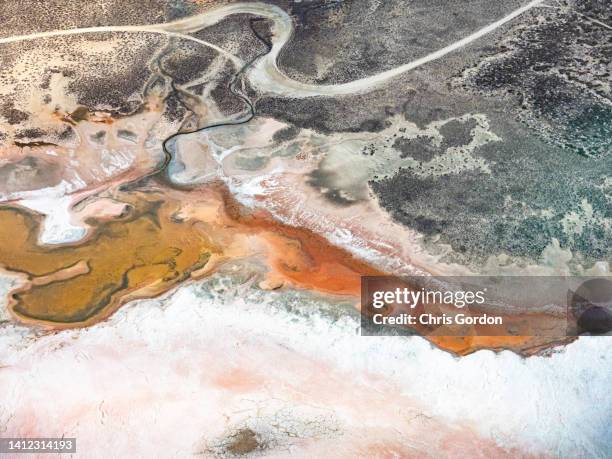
590,307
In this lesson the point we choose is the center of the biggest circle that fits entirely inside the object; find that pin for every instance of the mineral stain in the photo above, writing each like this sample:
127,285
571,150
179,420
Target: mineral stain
139,255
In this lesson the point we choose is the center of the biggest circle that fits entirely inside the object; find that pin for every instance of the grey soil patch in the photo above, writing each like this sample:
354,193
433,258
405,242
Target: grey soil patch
29,173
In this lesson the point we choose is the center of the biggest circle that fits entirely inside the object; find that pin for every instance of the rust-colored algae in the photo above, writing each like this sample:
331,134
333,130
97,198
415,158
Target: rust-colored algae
140,255
311,262
170,235
152,248
304,258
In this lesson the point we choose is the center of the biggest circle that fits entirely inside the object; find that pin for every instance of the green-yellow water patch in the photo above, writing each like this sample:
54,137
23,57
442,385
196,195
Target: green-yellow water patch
142,254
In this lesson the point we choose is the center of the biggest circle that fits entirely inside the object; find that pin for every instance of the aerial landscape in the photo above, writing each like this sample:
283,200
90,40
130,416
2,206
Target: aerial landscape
198,197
